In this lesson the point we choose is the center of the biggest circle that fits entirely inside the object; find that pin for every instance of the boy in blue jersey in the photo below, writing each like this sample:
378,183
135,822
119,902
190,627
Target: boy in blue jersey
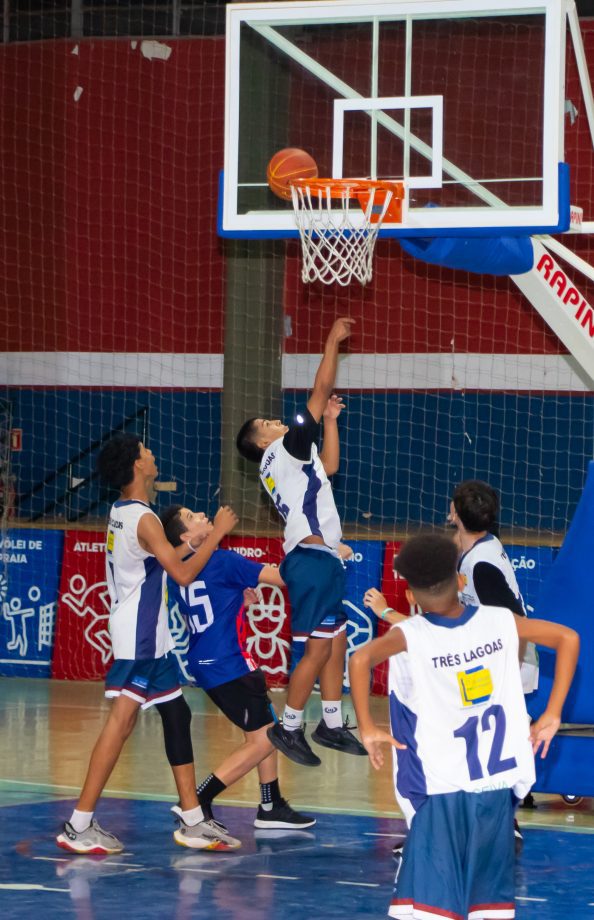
219,663
296,478
465,751
144,673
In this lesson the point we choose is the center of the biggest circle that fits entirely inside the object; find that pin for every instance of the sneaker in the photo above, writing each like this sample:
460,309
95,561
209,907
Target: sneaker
340,739
93,840
528,802
293,745
281,815
206,811
206,835
518,836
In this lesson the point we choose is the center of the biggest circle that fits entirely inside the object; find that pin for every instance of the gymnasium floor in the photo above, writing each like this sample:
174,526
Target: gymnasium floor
341,868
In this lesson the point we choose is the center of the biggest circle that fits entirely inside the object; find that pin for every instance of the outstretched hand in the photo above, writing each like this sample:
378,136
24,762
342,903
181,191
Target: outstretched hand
543,731
373,738
375,600
334,407
341,329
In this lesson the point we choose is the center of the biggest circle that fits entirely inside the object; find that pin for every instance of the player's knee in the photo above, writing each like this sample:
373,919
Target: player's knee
318,650
176,717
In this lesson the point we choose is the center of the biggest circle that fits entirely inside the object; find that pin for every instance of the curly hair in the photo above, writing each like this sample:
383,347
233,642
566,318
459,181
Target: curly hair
428,562
115,463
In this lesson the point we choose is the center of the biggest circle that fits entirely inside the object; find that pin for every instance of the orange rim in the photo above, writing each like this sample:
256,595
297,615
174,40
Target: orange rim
337,187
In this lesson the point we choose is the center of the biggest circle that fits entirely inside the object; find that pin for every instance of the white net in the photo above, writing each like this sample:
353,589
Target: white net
338,240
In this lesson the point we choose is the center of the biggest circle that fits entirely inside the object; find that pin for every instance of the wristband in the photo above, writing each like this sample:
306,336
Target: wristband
384,612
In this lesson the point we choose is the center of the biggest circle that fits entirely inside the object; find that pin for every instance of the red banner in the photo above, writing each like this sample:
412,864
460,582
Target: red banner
393,589
82,648
269,621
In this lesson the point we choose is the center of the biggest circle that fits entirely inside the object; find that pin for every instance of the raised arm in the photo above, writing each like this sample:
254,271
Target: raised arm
330,453
566,643
360,666
152,537
326,374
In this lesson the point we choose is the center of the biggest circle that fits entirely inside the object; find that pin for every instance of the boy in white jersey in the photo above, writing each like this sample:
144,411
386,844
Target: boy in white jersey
465,750
296,478
143,673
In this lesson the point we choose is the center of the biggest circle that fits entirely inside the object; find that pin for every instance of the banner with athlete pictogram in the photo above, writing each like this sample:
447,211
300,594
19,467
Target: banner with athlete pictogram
267,623
82,649
28,600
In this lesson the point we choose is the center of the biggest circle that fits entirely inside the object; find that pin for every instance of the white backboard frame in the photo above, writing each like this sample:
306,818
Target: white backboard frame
491,214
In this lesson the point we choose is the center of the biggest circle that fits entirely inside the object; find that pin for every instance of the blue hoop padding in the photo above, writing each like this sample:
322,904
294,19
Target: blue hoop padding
501,255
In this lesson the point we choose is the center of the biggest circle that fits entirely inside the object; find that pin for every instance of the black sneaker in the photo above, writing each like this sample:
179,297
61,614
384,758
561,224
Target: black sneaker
281,815
518,836
293,745
340,739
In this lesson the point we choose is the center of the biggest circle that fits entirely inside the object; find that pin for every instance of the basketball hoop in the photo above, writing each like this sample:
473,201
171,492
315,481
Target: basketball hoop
335,244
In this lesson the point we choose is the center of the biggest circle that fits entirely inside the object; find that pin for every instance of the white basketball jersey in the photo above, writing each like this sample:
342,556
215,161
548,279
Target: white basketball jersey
302,495
456,701
490,550
138,622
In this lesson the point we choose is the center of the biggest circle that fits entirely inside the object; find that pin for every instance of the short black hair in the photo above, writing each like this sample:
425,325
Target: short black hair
115,463
428,562
477,505
173,524
245,442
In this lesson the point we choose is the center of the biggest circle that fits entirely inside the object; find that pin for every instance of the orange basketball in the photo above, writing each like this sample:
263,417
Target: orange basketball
286,165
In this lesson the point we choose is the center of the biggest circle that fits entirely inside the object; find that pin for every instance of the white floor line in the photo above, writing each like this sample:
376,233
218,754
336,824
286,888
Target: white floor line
360,884
519,898
290,878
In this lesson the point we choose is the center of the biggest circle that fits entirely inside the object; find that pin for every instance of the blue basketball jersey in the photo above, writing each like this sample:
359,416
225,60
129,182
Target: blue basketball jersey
211,606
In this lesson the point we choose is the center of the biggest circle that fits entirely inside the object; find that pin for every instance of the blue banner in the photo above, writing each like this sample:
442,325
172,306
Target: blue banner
532,565
29,583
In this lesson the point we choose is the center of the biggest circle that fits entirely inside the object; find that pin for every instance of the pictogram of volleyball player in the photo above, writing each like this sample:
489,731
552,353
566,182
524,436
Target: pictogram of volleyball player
459,724
213,608
295,477
144,673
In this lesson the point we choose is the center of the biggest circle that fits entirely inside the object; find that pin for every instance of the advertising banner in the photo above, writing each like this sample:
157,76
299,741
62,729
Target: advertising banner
29,580
82,649
268,622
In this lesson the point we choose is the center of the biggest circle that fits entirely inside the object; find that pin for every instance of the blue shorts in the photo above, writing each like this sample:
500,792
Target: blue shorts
315,580
458,860
150,681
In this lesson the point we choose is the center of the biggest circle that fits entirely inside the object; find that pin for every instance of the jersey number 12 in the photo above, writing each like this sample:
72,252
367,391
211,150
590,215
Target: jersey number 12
469,732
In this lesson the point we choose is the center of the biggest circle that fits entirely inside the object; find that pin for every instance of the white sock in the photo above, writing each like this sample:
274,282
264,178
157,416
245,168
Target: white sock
332,713
292,719
193,816
80,820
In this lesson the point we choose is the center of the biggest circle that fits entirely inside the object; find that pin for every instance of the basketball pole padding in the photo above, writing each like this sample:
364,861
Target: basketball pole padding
567,596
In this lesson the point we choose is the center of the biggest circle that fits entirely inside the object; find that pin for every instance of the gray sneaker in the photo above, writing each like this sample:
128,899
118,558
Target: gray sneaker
206,835
92,841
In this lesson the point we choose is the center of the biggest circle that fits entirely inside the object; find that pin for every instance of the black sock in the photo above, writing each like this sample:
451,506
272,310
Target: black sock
270,793
209,788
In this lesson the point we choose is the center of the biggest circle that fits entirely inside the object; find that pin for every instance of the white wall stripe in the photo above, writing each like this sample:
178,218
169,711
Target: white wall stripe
356,372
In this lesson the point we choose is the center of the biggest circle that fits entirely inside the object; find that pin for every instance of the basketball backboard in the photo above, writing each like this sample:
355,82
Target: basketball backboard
461,99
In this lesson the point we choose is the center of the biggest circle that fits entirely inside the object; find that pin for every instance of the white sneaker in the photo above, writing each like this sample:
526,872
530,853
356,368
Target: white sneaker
93,840
206,835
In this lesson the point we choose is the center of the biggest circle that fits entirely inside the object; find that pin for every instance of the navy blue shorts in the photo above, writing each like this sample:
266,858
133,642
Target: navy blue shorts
316,583
150,681
458,860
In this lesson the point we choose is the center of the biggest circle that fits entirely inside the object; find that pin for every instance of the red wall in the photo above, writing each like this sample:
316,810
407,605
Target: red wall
107,228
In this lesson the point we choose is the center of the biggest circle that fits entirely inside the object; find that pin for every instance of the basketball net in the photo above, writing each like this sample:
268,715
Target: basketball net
336,246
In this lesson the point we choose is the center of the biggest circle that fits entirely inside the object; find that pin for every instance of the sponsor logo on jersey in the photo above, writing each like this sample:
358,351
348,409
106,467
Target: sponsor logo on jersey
270,484
110,541
475,685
